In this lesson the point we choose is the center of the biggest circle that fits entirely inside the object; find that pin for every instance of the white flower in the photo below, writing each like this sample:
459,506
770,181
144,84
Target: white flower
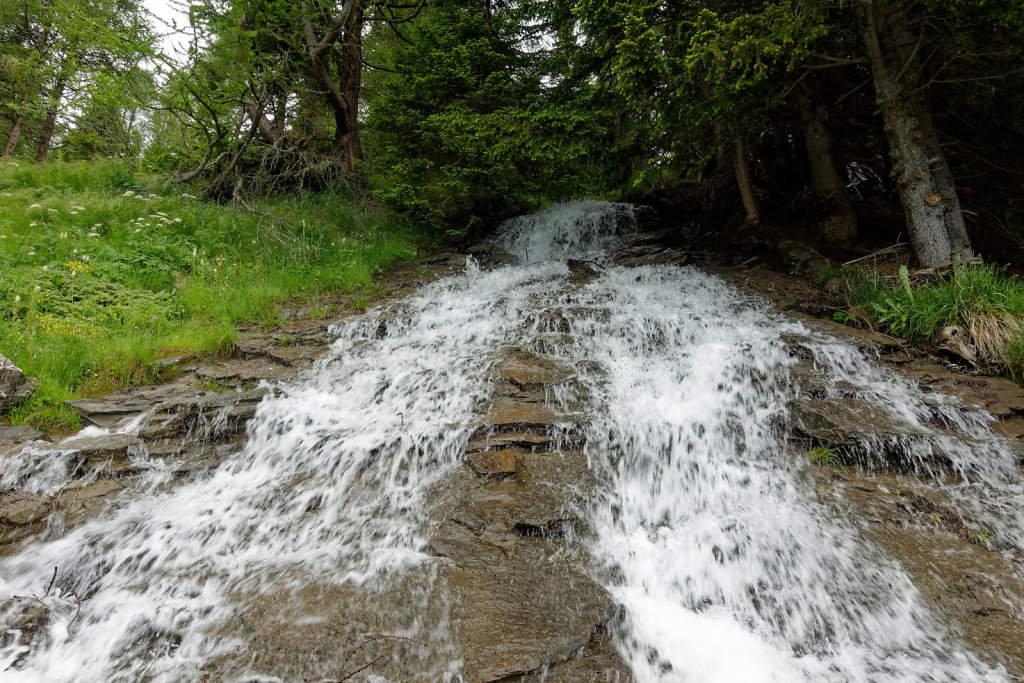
186,195
93,234
12,163
35,206
177,220
85,257
32,224
74,213
46,267
63,235
37,289
194,249
17,298
161,213
97,225
54,210
3,237
129,193
74,251
80,208
74,273
6,194
138,230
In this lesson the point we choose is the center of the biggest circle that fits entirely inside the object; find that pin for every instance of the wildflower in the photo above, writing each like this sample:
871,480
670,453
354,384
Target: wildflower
12,163
32,224
97,225
74,213
35,206
46,267
6,194
53,210
177,220
154,317
129,193
138,230
93,234
194,250
17,298
74,251
3,237
74,273
80,208
85,257
63,235
37,289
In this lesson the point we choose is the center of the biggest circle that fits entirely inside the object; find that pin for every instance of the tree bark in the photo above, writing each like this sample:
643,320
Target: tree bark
13,136
840,226
344,101
895,76
350,80
956,229
50,122
741,164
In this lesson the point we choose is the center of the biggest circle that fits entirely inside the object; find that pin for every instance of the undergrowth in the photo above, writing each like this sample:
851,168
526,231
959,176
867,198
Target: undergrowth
984,302
102,272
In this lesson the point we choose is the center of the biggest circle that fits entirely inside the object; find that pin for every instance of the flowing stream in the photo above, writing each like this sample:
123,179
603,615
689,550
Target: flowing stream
726,565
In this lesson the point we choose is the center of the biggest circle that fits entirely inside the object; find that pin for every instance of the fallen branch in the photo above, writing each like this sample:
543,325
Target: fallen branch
892,249
347,676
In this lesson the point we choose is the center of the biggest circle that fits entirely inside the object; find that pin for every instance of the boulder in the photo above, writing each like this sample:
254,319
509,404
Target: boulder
15,387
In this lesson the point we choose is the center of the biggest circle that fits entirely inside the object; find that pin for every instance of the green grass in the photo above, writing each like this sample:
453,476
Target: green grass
102,272
825,455
983,301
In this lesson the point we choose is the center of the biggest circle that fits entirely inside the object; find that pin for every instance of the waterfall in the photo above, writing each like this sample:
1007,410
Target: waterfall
724,562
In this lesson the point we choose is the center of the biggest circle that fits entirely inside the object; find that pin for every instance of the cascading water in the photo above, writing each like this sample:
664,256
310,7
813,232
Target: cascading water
726,566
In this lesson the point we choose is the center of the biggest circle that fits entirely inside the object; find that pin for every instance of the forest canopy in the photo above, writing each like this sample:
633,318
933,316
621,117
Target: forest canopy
845,122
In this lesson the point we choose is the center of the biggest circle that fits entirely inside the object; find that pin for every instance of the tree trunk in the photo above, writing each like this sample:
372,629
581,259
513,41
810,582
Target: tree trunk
903,115
50,122
350,82
12,138
344,100
741,164
956,229
840,227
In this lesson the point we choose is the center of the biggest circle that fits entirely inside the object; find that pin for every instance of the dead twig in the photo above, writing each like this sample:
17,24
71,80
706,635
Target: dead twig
347,676
892,249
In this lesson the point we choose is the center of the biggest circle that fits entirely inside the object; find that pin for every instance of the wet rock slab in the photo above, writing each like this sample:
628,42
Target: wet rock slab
120,407
15,436
107,453
977,588
21,514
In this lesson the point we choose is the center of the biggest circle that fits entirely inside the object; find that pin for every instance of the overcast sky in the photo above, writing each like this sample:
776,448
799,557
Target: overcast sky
167,12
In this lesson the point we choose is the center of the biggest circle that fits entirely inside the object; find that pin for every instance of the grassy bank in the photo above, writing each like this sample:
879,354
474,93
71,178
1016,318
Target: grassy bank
102,272
986,304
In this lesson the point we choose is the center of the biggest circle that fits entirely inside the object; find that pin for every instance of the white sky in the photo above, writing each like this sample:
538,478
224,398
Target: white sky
166,12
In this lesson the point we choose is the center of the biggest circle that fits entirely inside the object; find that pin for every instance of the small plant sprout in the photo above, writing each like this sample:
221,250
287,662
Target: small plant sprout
825,455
